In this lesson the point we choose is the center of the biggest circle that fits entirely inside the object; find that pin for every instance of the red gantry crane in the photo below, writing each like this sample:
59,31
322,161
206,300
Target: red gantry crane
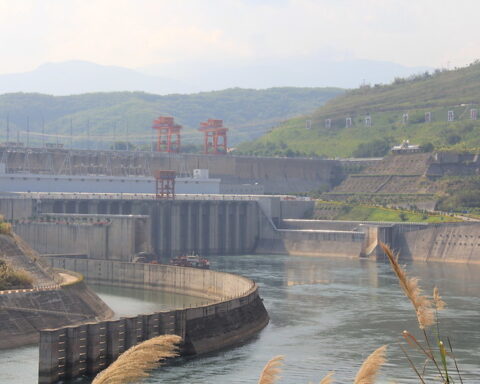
215,140
168,134
164,184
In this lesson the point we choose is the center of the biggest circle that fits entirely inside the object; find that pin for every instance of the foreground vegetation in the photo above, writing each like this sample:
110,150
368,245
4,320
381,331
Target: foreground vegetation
457,90
333,210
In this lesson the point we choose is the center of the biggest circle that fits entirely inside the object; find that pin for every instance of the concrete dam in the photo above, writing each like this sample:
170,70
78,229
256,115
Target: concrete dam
272,175
116,227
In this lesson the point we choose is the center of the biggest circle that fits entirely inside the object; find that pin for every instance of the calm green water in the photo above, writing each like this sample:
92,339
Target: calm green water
326,314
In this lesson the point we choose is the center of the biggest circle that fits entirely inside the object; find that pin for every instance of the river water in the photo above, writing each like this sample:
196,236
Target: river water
326,314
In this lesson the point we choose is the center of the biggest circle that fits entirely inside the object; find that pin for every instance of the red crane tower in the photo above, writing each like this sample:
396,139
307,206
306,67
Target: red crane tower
215,140
164,184
168,134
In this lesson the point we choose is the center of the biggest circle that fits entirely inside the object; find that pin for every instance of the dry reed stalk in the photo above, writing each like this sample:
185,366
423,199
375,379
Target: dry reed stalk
437,300
421,303
370,367
327,379
271,371
134,364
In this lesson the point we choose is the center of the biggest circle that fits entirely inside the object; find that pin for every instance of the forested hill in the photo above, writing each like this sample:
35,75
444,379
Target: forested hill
439,92
247,112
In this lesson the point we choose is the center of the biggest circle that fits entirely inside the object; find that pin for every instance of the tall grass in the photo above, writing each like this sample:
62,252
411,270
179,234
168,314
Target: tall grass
422,304
135,364
13,278
432,348
370,367
5,228
271,372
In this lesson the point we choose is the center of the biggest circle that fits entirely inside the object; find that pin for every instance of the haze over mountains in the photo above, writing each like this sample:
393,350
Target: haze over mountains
77,77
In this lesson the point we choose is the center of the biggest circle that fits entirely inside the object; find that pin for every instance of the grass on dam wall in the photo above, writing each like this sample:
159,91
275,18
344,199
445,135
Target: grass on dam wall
332,210
11,278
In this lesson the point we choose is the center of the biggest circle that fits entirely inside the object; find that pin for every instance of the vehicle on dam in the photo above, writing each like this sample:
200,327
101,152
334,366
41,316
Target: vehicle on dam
193,261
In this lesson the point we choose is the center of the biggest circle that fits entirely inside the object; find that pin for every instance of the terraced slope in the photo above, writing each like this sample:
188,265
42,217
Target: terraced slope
396,178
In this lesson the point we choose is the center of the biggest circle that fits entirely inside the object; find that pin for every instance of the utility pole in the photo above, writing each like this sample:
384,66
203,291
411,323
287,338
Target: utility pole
114,135
28,131
8,127
88,134
71,134
126,135
43,132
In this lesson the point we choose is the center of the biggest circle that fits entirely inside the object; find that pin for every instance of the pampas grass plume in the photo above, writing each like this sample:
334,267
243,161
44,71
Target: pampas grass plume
327,379
437,300
134,364
271,371
421,303
370,367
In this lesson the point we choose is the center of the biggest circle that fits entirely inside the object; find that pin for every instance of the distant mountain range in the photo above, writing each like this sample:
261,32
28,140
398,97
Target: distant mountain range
78,77
97,119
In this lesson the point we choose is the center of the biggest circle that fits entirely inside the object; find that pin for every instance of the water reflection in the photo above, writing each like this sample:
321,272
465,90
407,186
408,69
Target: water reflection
130,302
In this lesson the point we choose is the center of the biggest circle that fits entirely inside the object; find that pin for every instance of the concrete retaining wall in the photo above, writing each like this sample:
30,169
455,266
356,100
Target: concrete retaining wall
323,243
197,282
238,315
116,237
309,242
456,242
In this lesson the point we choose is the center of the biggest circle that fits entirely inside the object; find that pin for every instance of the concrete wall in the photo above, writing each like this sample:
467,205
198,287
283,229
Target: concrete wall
116,237
277,175
178,227
12,207
456,242
197,282
323,243
27,182
237,315
309,242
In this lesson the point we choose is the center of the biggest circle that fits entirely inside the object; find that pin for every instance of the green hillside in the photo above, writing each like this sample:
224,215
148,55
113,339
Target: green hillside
457,90
103,116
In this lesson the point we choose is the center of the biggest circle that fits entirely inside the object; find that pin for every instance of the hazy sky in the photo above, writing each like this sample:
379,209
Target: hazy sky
140,33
